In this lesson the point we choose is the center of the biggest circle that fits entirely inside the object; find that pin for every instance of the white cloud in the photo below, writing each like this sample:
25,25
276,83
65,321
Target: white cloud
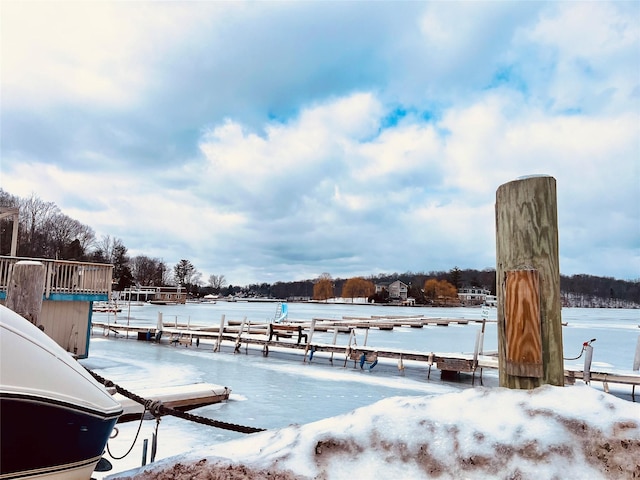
586,48
248,139
103,53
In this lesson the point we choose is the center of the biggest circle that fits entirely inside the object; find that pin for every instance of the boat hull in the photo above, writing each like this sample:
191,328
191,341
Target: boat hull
55,418
41,438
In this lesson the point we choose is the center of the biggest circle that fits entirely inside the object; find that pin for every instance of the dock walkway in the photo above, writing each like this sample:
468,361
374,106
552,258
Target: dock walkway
266,336
290,335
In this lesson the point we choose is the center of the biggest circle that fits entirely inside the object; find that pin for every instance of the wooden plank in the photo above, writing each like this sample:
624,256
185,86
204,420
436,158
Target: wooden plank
183,397
454,364
628,378
522,322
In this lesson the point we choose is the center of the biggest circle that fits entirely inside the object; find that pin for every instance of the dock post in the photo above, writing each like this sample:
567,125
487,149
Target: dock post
636,366
239,338
352,334
335,339
154,443
528,284
309,337
159,327
220,331
246,347
145,446
401,366
25,289
586,370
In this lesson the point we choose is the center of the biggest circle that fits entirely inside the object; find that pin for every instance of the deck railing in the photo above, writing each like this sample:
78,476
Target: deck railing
64,276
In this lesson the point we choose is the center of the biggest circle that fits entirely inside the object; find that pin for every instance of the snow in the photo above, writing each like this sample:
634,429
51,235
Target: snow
549,432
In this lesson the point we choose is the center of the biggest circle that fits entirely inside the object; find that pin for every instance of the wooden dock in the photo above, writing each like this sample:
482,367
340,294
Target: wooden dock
183,398
298,335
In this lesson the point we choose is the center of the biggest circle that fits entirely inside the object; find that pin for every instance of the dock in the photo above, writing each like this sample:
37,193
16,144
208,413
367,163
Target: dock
183,398
298,335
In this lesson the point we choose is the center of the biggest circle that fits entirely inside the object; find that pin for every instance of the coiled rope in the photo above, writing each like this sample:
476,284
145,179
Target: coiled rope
157,409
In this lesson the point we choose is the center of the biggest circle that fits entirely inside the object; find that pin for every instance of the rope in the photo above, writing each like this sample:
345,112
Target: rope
584,346
132,443
158,409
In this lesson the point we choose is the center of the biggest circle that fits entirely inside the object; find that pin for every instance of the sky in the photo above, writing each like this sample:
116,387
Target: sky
479,433
276,141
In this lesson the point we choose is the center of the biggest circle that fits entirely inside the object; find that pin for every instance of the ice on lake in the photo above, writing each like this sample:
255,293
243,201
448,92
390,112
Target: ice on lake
280,390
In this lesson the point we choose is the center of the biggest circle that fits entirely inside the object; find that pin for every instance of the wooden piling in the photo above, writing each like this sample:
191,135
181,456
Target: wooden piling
239,339
528,284
218,343
26,288
335,338
309,338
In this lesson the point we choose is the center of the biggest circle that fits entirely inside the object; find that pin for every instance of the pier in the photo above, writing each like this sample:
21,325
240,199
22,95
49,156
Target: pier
298,336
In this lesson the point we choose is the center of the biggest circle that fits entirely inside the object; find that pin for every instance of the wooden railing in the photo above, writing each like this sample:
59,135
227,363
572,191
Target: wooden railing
64,276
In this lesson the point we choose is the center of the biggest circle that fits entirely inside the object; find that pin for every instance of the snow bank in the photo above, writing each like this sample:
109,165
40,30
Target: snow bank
550,432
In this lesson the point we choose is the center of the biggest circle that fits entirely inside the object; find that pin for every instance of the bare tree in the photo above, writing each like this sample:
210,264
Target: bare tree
6,224
68,238
104,249
148,271
217,282
34,215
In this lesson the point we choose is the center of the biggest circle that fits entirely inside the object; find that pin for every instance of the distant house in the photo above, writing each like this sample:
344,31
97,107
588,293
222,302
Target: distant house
491,301
473,295
157,295
170,295
138,294
398,291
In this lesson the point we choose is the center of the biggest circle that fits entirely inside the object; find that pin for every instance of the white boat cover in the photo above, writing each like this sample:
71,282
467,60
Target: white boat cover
32,364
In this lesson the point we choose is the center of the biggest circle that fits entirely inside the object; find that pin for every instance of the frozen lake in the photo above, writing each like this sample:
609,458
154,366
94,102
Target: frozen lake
279,390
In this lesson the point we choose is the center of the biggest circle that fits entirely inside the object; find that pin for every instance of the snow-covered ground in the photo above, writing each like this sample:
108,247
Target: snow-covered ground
550,432
328,420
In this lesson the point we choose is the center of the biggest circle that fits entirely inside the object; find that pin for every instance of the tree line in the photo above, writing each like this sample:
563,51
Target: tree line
434,287
45,232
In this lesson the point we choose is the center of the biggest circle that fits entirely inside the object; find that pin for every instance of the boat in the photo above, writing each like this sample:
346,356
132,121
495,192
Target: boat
56,419
209,298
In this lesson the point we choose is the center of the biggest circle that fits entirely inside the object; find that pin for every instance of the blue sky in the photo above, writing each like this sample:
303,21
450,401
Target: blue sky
275,141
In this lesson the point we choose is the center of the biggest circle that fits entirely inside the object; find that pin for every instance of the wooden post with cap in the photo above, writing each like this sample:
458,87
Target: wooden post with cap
528,284
25,289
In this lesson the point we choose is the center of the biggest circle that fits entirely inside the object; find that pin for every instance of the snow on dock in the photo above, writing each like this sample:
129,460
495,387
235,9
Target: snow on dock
183,398
298,336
